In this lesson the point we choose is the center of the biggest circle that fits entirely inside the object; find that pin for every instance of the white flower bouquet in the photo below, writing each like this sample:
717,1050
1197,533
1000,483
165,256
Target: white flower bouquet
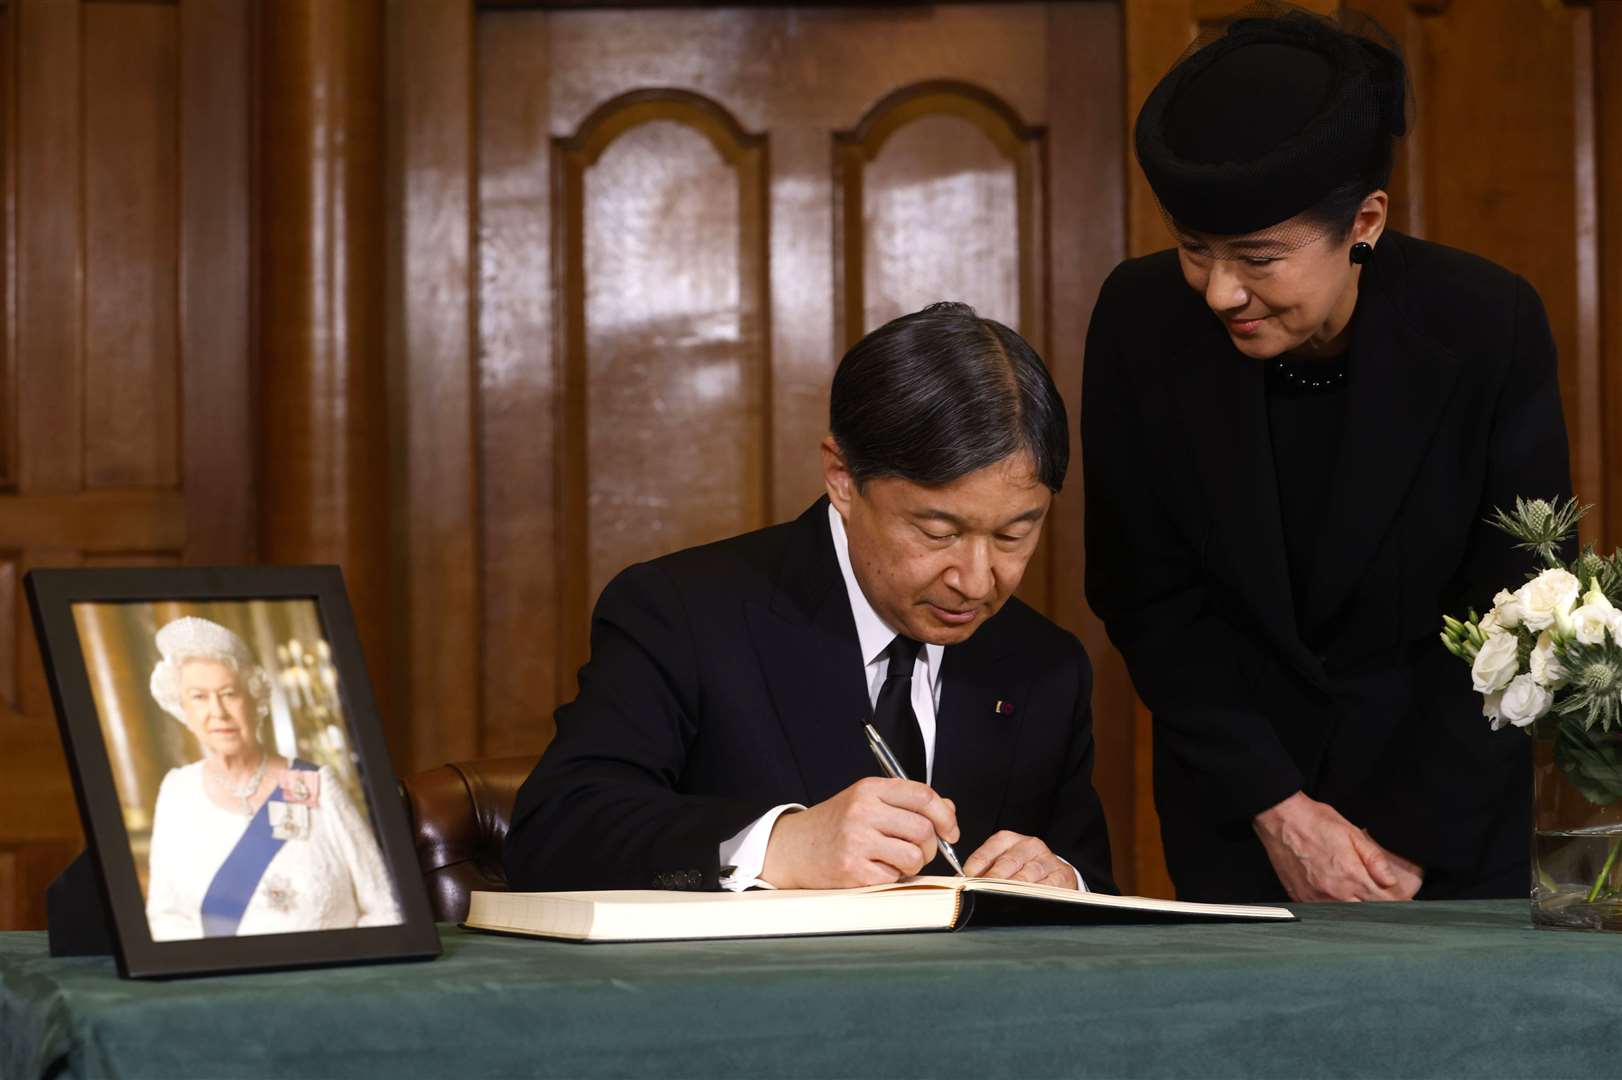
1551,650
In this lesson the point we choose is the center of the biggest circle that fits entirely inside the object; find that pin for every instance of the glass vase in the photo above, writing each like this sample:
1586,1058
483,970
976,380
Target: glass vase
1577,826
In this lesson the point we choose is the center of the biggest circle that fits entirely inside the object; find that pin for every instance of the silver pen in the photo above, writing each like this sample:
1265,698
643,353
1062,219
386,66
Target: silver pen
892,768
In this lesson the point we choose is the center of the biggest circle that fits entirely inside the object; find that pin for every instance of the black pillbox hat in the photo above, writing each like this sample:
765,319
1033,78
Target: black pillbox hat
1267,120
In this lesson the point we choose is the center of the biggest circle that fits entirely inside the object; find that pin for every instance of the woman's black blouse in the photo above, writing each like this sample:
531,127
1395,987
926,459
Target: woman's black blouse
1305,426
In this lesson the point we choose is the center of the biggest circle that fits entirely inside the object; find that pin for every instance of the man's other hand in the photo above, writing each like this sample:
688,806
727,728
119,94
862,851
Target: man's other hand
875,831
1020,858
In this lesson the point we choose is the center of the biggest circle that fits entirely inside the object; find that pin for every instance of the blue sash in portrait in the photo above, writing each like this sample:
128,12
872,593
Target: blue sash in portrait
238,876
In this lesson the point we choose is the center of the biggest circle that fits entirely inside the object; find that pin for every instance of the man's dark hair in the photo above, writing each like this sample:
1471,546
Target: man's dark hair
938,394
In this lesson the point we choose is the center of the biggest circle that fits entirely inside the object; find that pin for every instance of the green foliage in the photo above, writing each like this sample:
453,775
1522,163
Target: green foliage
1592,763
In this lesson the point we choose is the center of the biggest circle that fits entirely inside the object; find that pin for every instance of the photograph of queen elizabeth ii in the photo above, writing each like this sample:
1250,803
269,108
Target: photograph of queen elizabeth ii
239,789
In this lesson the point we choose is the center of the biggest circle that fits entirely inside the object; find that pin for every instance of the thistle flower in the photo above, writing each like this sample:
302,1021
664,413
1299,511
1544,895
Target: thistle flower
1540,526
1594,685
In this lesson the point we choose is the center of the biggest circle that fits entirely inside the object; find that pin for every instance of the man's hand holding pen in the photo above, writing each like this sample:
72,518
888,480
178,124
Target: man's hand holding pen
875,831
879,830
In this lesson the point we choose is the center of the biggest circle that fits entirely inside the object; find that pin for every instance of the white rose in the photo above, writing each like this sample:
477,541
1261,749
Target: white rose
1492,707
1496,664
1591,622
1506,608
1524,701
1548,597
1545,666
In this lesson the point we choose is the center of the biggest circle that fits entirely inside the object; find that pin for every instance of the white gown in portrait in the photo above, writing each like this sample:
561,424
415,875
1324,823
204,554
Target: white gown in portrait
334,879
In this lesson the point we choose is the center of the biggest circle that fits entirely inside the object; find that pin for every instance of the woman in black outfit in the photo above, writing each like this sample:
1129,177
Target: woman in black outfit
1293,427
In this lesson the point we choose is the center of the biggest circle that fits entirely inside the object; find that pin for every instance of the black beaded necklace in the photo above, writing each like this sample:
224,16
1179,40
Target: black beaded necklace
1308,376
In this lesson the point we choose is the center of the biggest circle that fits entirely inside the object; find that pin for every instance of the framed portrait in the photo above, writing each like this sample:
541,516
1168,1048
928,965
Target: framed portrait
236,793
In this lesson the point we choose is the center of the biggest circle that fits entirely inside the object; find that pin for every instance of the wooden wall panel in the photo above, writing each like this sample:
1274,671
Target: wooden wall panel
1517,208
219,469
126,170
940,198
50,259
941,210
11,628
1606,126
663,290
518,383
131,241
432,377
1084,169
8,276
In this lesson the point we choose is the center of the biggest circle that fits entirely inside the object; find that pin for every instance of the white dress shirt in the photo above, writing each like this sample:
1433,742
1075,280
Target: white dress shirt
746,851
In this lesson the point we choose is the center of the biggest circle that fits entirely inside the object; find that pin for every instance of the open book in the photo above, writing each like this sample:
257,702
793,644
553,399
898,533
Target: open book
920,903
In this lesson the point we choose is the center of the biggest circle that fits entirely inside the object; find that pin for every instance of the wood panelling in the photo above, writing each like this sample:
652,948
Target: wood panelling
25,871
432,376
1084,170
8,276
940,197
219,472
324,475
127,324
1606,126
665,433
517,385
131,245
1517,207
10,625
96,521
50,256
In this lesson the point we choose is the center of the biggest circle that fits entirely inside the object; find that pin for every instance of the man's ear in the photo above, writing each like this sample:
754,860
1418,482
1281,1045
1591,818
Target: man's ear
836,476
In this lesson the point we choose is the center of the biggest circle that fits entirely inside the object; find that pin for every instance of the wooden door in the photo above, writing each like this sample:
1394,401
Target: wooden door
686,216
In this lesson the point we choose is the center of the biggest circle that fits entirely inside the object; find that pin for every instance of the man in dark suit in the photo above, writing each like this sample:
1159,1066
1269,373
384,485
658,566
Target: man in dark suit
717,738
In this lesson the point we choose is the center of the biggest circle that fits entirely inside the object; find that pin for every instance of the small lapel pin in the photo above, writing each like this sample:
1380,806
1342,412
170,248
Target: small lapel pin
1003,708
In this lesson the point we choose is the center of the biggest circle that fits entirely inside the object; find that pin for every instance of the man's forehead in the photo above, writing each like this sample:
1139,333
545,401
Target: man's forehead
995,495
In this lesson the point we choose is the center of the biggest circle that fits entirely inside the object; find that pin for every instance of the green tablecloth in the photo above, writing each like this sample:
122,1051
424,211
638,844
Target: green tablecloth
1455,989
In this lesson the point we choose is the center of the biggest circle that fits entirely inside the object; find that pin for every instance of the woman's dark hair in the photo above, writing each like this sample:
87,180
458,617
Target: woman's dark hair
938,394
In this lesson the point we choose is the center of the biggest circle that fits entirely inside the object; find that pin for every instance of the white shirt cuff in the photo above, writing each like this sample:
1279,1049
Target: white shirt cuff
745,853
1081,884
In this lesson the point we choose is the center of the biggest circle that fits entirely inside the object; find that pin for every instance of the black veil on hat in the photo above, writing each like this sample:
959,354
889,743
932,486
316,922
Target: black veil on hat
1268,116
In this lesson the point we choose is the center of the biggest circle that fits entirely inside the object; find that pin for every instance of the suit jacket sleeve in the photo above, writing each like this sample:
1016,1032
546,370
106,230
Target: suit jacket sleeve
1145,581
604,807
1460,772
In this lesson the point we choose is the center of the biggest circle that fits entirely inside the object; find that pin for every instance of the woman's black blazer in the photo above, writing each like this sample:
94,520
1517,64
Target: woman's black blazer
1453,408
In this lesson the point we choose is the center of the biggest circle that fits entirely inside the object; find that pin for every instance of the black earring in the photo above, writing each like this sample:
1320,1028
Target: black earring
1360,253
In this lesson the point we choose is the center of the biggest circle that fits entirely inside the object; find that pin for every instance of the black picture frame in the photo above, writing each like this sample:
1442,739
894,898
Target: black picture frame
52,595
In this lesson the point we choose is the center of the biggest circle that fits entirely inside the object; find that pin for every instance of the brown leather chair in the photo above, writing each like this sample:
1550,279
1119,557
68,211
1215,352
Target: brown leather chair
460,814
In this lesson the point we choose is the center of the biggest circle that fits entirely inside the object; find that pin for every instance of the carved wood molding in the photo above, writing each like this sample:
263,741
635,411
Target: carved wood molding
1022,144
746,153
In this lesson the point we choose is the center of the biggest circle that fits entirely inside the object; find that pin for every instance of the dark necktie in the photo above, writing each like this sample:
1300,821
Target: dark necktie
893,715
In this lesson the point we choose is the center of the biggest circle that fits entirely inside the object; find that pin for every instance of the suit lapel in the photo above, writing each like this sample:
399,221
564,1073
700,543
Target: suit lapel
808,650
1222,398
1398,385
974,743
